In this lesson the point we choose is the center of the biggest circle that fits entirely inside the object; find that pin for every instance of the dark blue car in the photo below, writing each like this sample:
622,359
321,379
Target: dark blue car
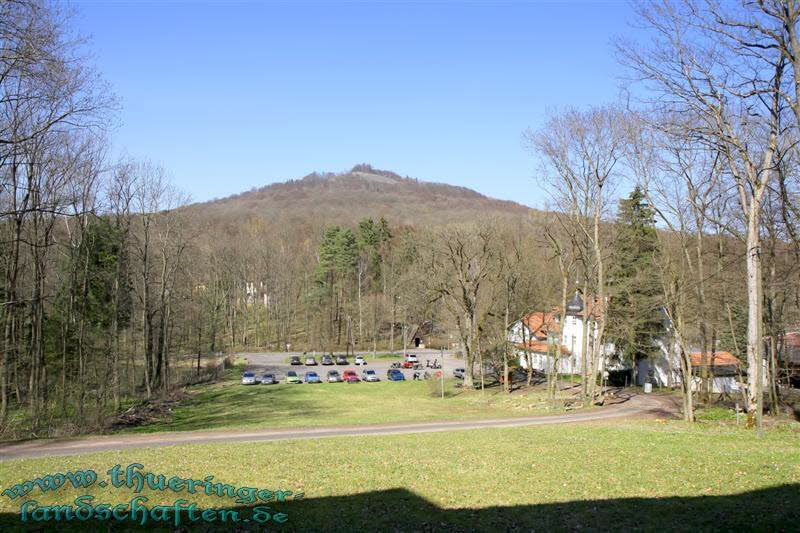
312,377
395,375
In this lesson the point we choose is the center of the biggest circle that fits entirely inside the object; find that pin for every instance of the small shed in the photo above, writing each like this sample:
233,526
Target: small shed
723,369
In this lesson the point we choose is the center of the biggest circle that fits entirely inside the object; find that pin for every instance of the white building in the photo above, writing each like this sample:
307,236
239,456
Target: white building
541,334
664,368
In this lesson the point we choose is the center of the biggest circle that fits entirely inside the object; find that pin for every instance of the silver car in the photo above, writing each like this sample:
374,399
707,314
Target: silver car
248,378
369,375
334,376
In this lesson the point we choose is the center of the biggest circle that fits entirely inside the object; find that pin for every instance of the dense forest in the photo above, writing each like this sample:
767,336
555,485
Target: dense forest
681,204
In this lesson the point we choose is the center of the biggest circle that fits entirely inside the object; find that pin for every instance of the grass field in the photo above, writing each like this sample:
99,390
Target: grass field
636,475
228,405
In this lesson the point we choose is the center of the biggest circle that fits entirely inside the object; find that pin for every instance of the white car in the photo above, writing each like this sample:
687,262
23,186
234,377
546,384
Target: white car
249,378
411,358
369,375
360,360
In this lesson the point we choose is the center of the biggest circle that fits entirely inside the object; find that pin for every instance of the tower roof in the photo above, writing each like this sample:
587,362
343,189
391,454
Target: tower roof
575,304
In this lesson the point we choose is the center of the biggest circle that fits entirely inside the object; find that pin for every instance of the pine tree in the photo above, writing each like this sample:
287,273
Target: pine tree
338,254
634,313
368,239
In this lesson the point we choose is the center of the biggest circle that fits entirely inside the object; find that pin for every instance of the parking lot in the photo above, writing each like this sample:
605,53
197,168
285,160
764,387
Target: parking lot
278,363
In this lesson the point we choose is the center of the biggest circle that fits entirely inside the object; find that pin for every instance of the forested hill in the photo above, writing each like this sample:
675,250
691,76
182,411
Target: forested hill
358,193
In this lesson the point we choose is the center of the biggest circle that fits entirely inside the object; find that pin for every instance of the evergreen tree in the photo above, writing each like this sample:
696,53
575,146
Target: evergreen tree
372,240
334,276
89,294
634,314
383,231
338,254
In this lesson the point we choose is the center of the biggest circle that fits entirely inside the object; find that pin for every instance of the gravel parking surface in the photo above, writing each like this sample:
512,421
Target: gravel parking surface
277,363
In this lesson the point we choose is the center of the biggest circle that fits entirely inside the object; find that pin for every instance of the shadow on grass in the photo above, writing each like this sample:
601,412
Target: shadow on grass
770,509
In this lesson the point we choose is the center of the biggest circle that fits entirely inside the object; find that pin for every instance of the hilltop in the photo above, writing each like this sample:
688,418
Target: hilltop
362,191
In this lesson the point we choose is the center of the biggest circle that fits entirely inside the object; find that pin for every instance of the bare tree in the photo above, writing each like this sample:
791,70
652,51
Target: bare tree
462,262
46,92
581,151
157,248
564,252
726,94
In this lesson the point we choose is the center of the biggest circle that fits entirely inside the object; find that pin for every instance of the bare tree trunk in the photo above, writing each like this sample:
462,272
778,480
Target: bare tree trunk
585,345
553,380
701,305
527,351
480,362
600,305
687,379
755,360
469,353
773,374
506,351
391,329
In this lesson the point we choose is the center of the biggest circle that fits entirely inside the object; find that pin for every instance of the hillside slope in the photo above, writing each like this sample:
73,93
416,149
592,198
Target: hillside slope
363,191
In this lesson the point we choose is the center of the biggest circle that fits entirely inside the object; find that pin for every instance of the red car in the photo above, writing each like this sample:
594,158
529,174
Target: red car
350,376
408,364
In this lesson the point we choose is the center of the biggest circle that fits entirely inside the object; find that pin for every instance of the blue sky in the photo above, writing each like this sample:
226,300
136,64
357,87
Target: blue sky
228,96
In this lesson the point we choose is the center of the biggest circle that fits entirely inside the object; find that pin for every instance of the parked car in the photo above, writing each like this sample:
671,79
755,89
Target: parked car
350,376
459,373
360,360
370,375
411,358
334,377
312,377
268,379
248,378
310,361
291,377
395,375
295,360
408,364
341,360
326,360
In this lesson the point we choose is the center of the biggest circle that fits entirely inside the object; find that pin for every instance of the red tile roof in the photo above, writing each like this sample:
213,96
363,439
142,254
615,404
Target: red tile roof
539,323
541,347
719,359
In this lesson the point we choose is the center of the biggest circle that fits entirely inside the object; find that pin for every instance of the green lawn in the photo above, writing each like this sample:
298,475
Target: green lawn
228,405
636,475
